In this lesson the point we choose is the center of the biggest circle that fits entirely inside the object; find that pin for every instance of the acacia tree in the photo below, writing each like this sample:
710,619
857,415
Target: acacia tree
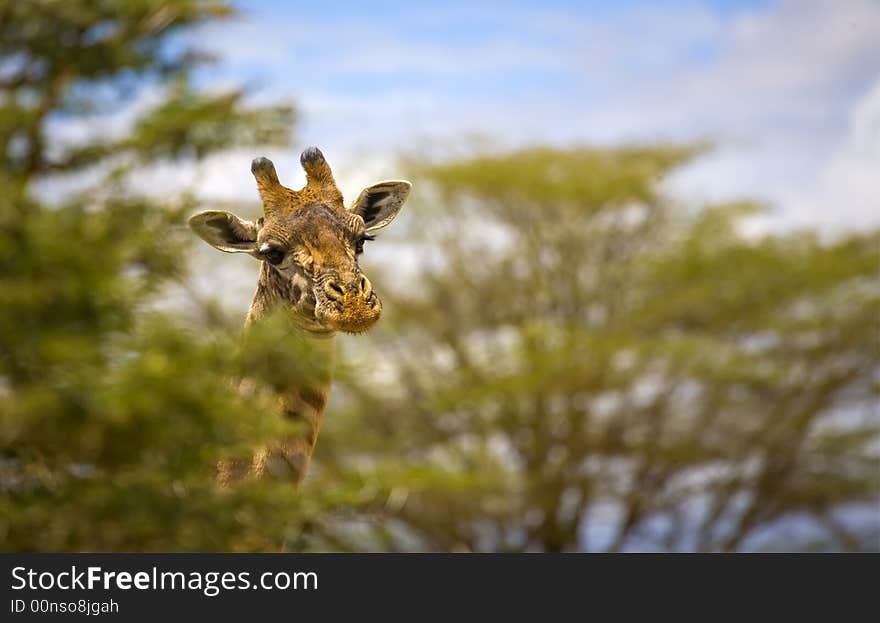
582,365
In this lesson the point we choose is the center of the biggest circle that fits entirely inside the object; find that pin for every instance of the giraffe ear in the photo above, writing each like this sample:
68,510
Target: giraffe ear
379,204
225,231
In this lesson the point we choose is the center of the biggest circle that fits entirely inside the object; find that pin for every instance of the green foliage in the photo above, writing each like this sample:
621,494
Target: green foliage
70,58
588,367
549,177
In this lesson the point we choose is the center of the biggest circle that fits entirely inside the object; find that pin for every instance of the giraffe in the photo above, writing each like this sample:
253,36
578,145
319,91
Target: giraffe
308,244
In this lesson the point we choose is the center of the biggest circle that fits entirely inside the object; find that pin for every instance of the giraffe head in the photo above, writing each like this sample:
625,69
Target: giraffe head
309,243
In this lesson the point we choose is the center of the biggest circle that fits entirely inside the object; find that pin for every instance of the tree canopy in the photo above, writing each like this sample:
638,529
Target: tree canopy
574,361
582,364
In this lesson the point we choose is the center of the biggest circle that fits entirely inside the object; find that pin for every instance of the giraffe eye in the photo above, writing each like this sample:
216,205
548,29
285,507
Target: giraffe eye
273,256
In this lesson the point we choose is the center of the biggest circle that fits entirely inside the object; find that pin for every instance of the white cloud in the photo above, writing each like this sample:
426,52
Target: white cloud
785,99
846,191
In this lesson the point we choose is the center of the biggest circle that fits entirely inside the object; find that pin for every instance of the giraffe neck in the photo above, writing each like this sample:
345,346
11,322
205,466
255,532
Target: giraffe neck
302,405
303,401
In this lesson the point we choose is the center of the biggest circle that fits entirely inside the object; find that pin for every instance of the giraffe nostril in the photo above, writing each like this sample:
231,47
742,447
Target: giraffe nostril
333,290
366,288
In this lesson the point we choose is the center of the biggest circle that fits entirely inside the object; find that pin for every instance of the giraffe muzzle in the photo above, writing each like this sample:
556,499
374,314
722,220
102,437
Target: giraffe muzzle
348,304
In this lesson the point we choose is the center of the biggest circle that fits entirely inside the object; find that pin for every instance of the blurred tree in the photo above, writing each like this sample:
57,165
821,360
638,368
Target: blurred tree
581,366
112,415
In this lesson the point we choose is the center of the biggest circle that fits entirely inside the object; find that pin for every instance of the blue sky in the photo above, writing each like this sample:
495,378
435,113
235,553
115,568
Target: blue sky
789,90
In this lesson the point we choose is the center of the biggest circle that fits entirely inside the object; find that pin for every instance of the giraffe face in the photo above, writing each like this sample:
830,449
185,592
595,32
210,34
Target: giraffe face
309,244
312,258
